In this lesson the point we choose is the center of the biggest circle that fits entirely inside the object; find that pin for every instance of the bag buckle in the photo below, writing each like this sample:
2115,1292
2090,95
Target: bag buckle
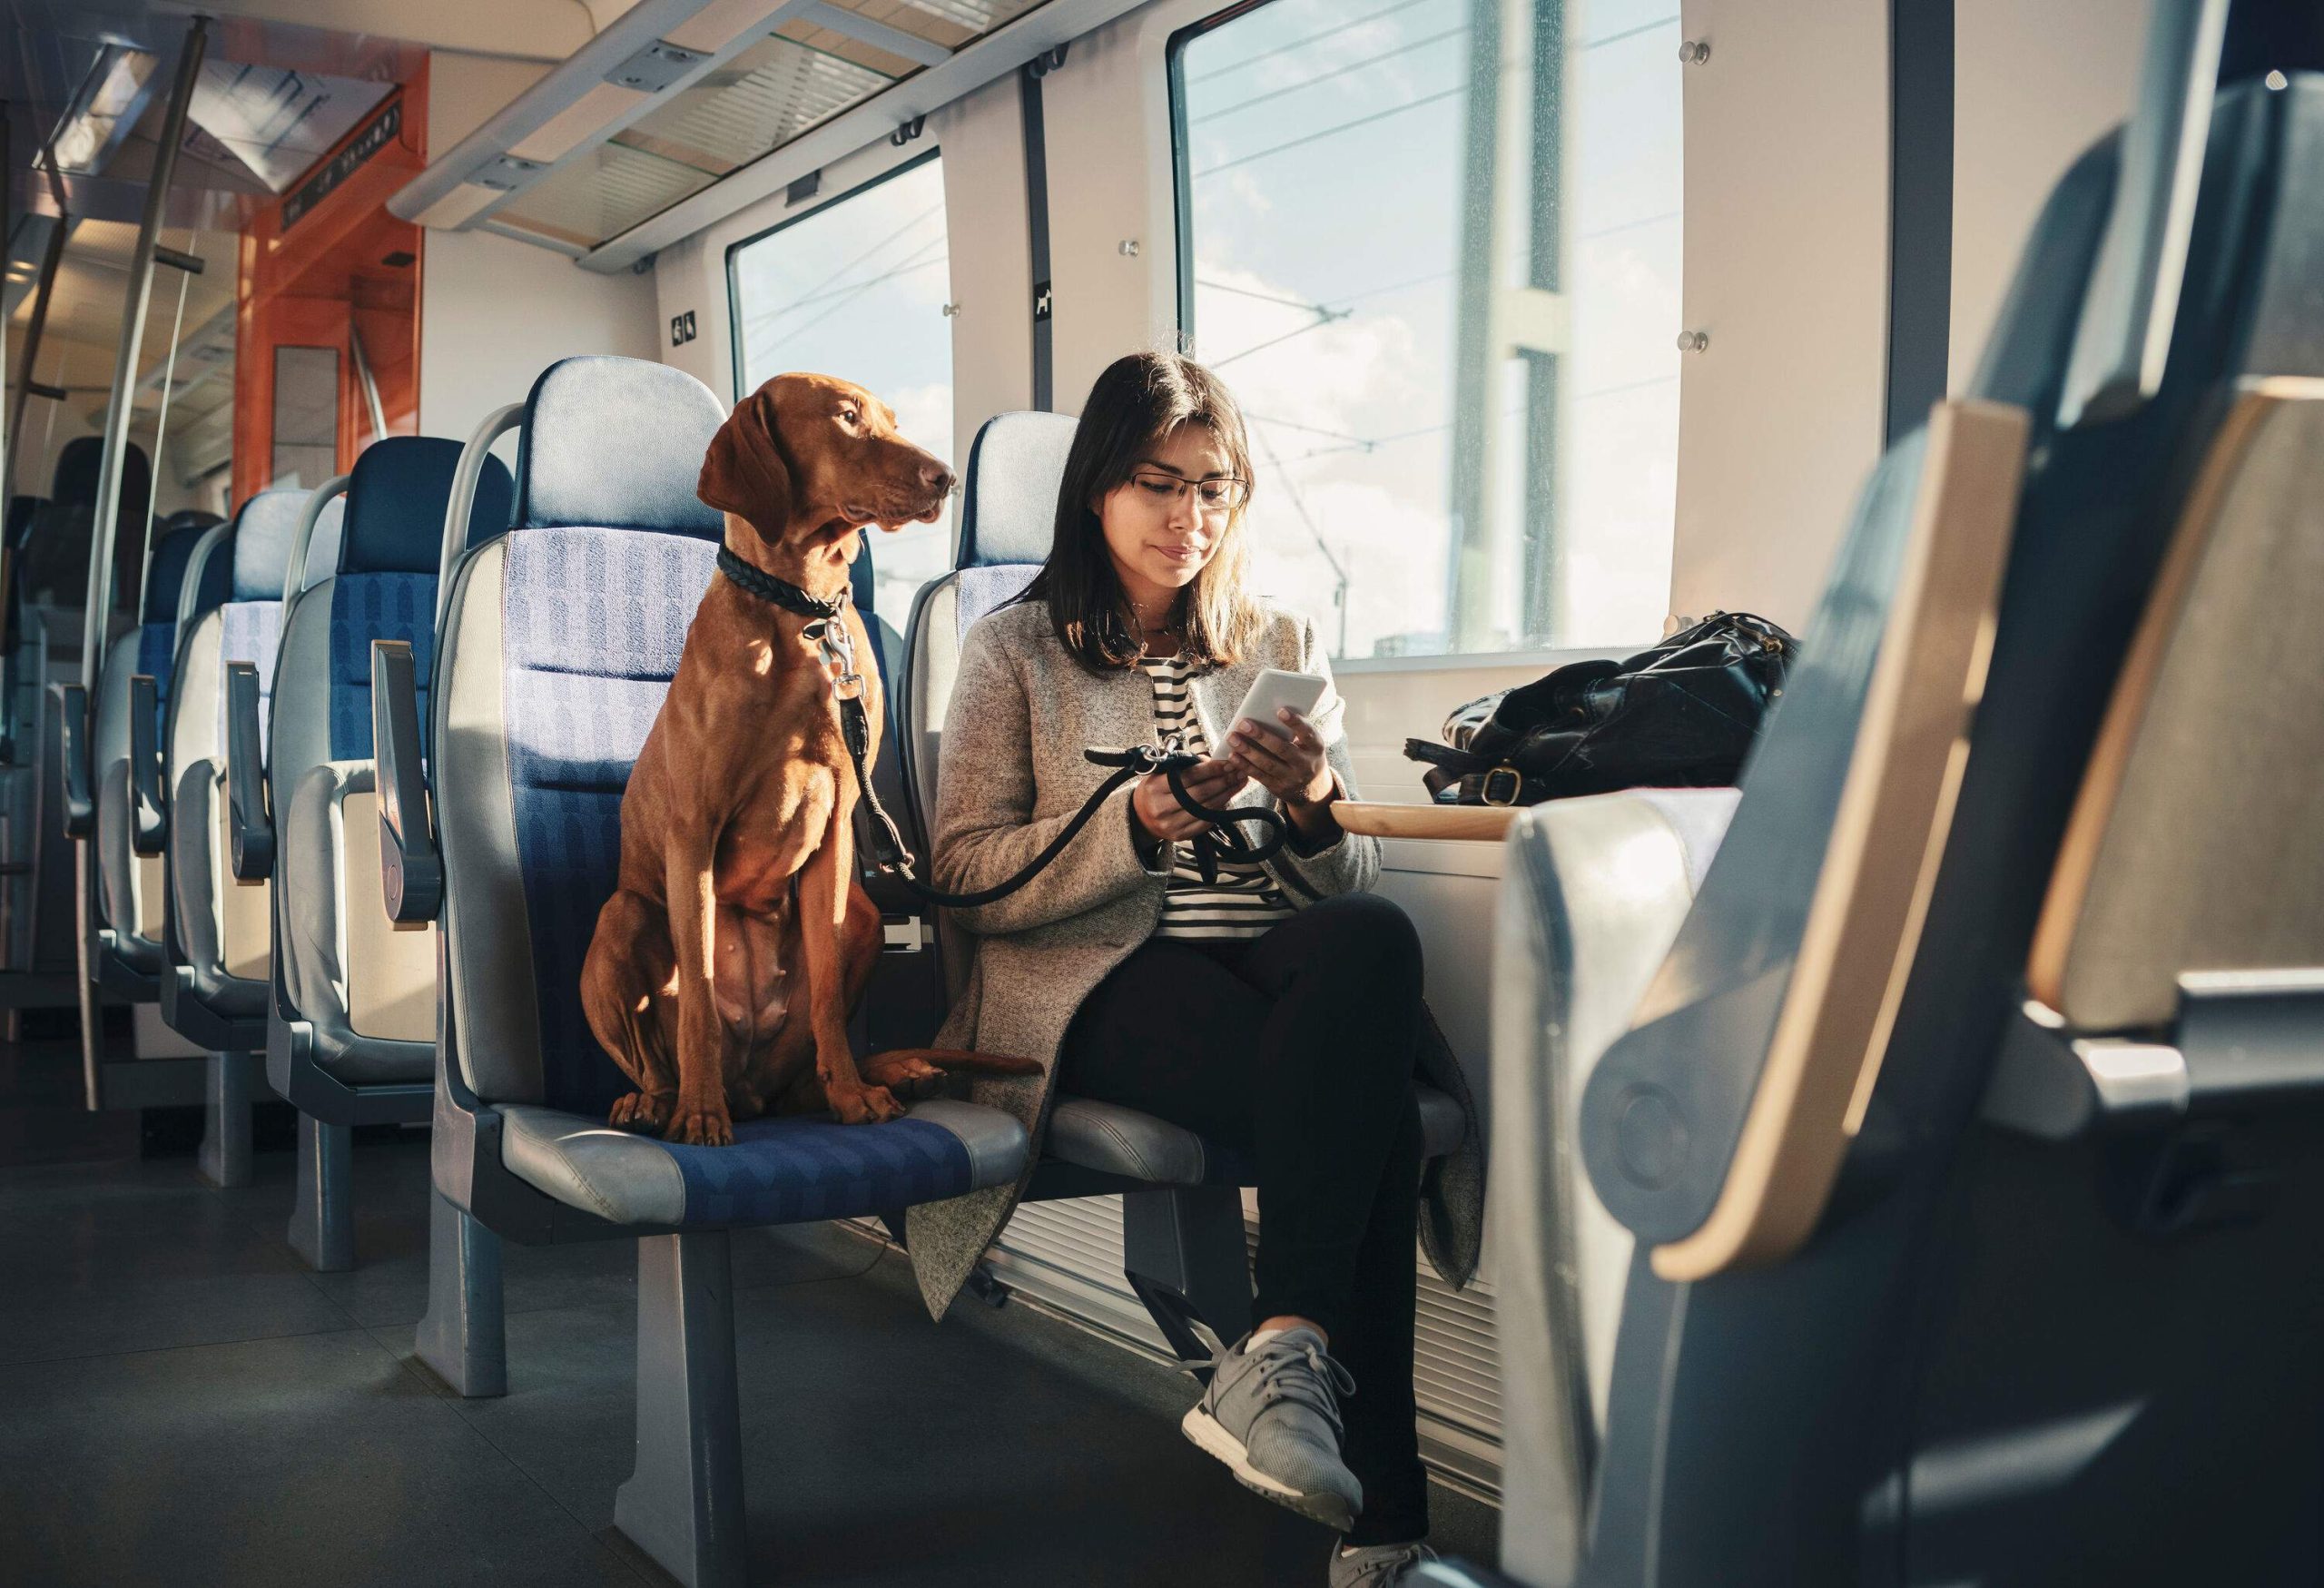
1507,791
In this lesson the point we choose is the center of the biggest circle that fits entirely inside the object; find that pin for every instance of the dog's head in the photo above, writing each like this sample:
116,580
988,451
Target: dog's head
807,460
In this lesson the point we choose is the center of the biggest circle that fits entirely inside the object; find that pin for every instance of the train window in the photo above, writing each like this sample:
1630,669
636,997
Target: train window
1447,295
857,288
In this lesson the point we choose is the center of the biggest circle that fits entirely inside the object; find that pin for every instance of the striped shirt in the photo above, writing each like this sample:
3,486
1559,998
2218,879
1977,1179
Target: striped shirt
1245,900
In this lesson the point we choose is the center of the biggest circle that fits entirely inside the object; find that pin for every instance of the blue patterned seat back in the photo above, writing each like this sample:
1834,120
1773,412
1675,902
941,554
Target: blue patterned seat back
385,585
608,559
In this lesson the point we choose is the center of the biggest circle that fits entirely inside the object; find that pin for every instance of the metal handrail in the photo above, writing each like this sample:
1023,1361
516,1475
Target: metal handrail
104,531
458,511
295,578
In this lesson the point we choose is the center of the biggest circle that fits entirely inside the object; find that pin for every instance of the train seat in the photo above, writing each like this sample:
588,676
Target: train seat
219,942
608,557
1975,1044
1182,1212
136,677
351,1019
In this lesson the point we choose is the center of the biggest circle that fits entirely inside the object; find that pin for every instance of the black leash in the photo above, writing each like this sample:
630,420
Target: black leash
1221,845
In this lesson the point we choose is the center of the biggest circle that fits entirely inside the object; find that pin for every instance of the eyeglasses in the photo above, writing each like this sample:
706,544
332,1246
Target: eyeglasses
1218,494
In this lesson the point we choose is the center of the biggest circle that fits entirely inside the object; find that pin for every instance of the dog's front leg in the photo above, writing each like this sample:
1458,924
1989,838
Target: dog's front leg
701,1116
822,904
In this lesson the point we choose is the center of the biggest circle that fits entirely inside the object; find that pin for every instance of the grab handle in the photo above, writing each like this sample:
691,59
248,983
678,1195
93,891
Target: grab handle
149,822
250,825
411,872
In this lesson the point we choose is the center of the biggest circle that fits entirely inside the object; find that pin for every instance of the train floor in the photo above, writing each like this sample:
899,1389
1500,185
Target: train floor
183,1402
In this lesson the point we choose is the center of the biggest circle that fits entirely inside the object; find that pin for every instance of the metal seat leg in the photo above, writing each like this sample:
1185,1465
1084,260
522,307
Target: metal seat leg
322,1217
684,1503
1182,1252
464,1334
227,1093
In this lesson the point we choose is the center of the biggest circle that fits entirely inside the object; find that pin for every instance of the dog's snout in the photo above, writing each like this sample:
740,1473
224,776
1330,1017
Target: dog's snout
936,477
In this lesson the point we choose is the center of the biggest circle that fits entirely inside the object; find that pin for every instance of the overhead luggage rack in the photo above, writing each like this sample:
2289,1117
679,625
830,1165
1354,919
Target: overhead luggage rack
601,158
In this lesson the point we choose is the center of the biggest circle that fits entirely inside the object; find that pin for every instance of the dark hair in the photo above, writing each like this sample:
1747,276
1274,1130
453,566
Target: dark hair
1136,403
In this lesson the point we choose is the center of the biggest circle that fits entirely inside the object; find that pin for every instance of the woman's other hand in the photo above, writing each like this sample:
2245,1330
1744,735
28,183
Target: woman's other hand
1287,762
1211,782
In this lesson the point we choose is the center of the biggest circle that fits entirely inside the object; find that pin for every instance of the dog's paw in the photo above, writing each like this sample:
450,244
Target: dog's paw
700,1128
641,1112
870,1105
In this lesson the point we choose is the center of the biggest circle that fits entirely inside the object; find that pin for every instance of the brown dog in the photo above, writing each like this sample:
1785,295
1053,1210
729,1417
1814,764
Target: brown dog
738,878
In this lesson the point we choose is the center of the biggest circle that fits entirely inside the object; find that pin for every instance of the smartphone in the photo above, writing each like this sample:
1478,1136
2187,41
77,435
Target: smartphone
1274,690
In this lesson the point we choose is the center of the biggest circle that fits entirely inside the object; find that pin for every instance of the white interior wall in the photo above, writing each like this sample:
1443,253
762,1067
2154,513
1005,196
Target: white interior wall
1113,182
493,312
983,139
2034,84
1787,258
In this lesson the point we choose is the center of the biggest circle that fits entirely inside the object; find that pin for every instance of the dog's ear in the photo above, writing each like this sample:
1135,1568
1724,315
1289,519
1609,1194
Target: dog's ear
743,473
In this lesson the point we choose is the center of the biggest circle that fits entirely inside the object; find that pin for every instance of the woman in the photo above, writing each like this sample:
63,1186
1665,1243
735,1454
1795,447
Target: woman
1275,1010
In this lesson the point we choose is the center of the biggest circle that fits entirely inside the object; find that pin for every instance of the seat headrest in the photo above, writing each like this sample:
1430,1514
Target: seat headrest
617,443
1008,502
264,532
173,550
396,501
210,575
78,463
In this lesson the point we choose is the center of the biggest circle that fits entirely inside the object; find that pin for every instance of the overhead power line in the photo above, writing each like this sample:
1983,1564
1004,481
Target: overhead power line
1306,41
1307,83
1333,131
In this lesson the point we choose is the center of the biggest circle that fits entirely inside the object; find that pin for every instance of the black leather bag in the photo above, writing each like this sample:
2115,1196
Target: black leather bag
1682,715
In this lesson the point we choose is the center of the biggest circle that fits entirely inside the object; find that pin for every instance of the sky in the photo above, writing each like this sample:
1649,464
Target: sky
1325,154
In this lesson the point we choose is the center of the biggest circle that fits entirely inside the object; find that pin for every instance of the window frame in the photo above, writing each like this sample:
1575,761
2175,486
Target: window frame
736,350
1179,155
1182,197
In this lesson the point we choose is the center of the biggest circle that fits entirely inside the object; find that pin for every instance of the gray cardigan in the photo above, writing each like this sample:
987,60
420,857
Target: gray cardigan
1011,776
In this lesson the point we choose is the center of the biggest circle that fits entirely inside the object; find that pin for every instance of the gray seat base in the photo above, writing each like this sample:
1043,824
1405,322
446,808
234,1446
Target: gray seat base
628,1179
1110,1139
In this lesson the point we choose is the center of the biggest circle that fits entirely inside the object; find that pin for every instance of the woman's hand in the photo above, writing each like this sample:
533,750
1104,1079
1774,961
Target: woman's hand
1211,782
1288,763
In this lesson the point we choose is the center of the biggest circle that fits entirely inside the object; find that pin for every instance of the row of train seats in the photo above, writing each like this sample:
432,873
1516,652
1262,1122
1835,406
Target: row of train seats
1911,1173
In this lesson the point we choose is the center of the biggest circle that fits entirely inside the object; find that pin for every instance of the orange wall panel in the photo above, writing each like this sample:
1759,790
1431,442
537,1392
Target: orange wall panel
346,265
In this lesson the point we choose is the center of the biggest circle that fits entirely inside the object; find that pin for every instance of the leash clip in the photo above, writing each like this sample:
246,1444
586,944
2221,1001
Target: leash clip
838,646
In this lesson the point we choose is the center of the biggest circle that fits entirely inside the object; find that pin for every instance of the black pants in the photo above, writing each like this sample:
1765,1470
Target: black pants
1296,1048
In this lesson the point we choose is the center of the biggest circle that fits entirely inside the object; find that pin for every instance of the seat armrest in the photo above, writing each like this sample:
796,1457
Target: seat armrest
248,819
411,874
149,824
73,743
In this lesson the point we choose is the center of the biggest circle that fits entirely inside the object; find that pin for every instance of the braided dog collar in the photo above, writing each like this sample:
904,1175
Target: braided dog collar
783,593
